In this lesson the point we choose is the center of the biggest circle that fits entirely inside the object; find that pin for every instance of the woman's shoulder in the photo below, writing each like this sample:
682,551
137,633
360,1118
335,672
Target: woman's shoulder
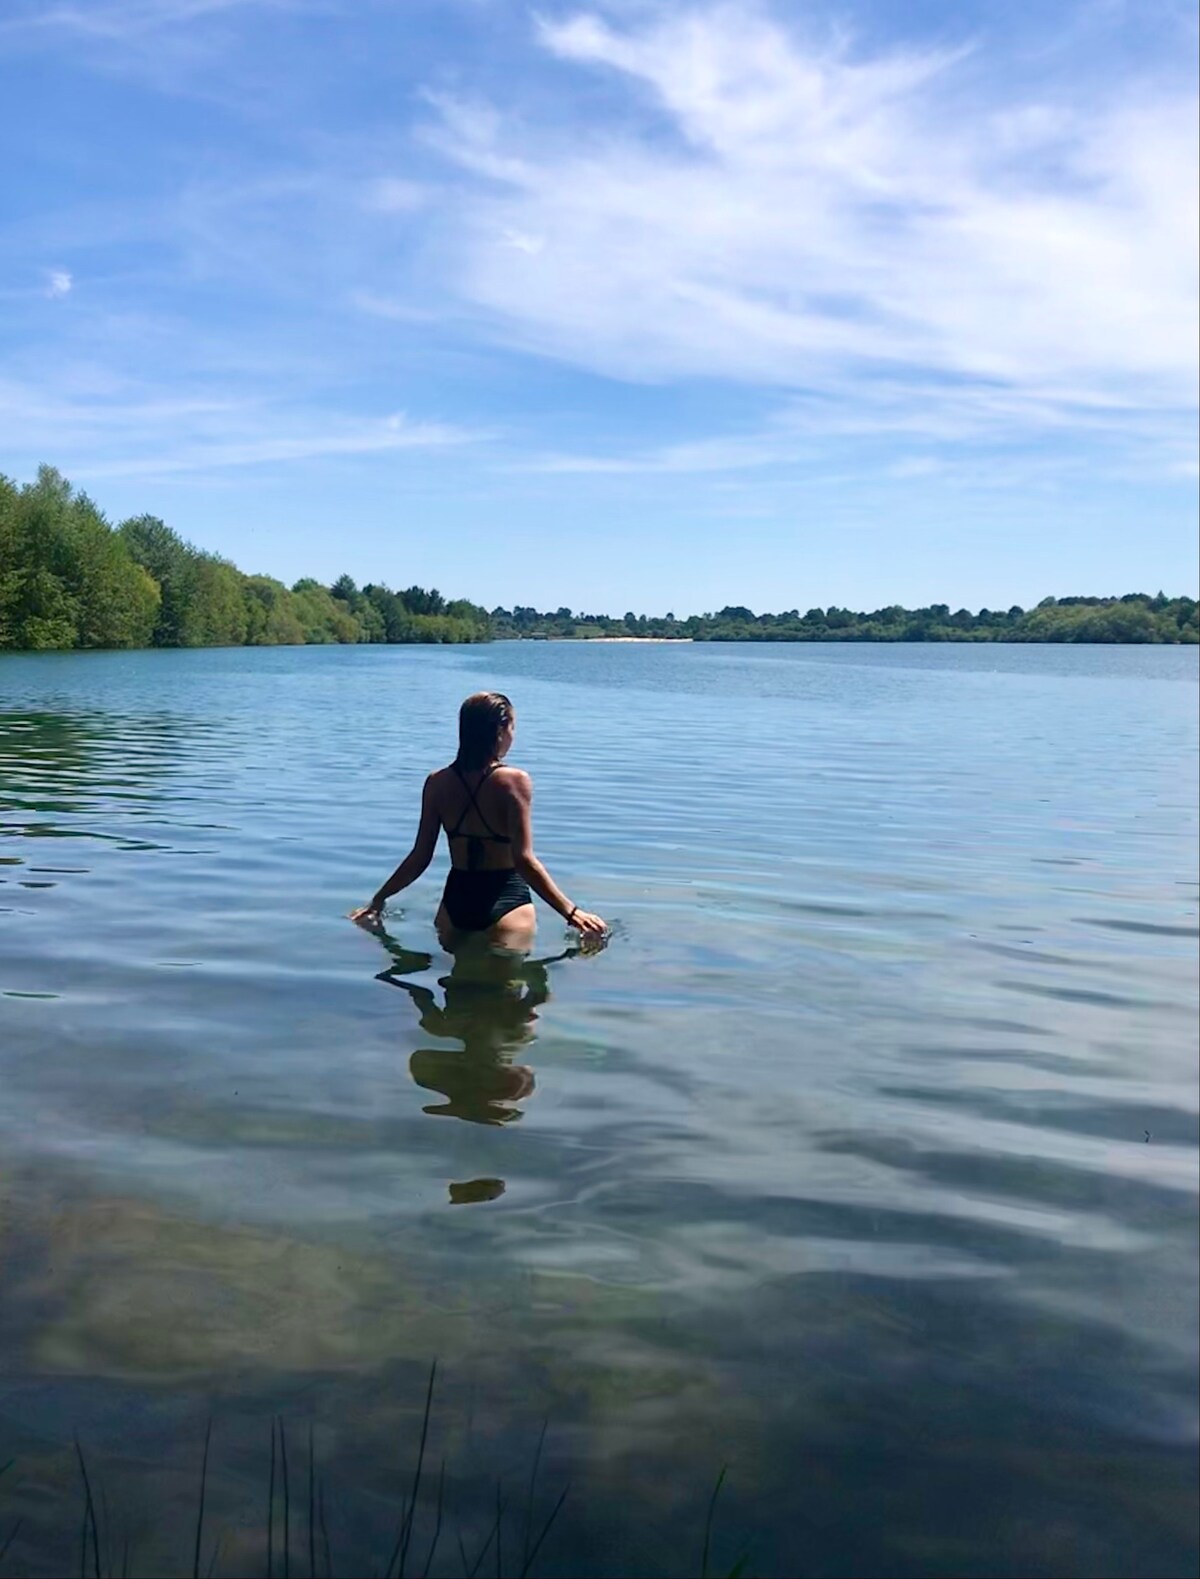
504,776
511,778
439,781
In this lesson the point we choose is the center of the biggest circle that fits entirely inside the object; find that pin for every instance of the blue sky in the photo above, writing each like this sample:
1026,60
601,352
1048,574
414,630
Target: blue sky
650,306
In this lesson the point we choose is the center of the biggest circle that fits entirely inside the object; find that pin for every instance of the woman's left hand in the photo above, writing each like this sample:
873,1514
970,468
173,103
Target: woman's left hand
367,915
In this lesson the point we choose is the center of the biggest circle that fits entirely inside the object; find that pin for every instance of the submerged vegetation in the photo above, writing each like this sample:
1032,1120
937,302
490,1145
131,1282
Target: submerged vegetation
294,1531
70,579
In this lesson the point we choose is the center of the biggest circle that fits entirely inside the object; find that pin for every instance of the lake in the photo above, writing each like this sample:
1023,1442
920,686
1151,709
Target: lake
862,1163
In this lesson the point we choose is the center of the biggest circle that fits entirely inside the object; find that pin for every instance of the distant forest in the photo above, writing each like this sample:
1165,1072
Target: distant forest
70,579
1136,617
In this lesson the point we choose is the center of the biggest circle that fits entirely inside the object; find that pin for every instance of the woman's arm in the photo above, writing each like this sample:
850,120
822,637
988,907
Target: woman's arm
414,863
520,828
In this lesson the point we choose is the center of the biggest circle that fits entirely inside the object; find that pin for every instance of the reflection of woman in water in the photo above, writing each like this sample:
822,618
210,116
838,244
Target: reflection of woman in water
491,1004
490,1008
486,811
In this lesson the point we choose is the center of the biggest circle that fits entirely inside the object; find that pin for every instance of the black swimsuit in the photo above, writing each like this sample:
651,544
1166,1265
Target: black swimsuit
477,896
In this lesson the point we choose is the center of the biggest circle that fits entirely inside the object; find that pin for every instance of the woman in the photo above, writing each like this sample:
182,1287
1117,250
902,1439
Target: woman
485,809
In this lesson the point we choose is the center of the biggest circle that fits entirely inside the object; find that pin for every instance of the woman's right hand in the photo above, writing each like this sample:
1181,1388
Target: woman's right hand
588,925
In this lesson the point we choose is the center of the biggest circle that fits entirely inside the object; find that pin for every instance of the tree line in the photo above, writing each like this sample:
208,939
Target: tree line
1135,617
69,579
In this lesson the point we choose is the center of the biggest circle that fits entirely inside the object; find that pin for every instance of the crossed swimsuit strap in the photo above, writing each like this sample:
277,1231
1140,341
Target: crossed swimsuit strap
475,841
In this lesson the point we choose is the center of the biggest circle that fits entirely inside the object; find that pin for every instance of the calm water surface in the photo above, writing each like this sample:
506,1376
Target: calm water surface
863,1161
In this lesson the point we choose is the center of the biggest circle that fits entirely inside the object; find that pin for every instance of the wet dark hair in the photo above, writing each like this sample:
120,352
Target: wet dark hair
480,720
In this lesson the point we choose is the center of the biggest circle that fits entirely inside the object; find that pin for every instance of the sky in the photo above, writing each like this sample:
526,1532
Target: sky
639,305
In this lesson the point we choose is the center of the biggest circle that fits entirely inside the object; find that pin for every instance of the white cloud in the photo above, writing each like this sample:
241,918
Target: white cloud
520,242
391,195
391,307
121,21
58,283
173,46
789,214
1096,437
367,438
99,425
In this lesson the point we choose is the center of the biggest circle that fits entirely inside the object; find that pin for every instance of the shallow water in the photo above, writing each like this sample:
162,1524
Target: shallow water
862,1161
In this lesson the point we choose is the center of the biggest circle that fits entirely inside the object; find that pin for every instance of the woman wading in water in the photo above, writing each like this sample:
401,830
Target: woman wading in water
485,809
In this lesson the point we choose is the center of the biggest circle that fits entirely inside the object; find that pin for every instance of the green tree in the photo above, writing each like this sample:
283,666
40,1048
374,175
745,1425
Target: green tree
271,618
45,613
65,578
323,618
170,561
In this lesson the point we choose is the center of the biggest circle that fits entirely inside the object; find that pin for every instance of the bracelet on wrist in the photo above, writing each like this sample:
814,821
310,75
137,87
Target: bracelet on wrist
570,914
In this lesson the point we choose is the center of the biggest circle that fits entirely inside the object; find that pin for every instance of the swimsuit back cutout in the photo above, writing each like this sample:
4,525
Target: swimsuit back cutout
475,841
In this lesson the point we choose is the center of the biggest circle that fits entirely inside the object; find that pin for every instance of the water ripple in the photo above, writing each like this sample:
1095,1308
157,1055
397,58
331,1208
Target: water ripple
869,1143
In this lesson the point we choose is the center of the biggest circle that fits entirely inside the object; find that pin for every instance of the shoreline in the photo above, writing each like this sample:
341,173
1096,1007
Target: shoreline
590,640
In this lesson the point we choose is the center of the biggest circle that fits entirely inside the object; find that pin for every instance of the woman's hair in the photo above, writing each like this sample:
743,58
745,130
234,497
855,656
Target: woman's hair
480,720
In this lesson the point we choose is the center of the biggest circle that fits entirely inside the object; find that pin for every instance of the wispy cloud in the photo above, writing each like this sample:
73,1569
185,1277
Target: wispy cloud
653,261
103,427
390,195
373,437
177,48
812,217
951,419
123,20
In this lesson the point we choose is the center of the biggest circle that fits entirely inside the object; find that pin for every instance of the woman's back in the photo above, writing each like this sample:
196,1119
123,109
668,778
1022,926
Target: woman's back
474,807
